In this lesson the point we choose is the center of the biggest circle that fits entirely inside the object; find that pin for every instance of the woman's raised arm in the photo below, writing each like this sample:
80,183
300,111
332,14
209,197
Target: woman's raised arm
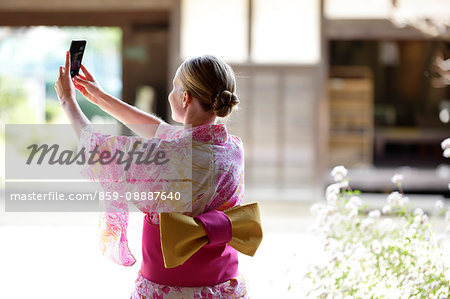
129,115
65,90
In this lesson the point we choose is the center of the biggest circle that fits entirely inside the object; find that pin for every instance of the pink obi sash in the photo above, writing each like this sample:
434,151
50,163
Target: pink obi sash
214,263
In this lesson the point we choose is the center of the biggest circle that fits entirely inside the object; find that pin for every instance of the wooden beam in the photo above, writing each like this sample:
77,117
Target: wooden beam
85,18
85,5
373,29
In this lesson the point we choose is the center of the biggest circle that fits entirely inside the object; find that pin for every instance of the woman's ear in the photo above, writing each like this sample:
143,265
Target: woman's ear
187,98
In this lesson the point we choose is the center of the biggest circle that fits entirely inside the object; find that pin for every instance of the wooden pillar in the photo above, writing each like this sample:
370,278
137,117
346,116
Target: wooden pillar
322,114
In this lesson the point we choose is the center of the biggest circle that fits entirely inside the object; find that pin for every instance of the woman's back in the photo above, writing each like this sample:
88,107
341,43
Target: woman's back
217,165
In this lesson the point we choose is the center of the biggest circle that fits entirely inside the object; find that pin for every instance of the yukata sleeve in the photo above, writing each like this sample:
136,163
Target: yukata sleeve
113,220
135,183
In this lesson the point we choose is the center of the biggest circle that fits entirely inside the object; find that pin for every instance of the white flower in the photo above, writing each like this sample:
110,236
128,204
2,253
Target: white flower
397,199
333,189
343,184
386,225
418,212
410,233
332,198
386,209
330,209
397,179
405,200
353,213
376,246
447,215
394,198
418,219
445,144
439,204
366,223
350,205
374,214
339,173
446,153
355,200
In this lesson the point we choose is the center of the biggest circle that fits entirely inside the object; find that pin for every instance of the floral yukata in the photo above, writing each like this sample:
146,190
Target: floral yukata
217,184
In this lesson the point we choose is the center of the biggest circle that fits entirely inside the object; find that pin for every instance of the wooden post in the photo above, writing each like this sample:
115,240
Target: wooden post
322,123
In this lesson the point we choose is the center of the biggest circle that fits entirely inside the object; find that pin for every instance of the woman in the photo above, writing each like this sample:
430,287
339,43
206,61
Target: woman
204,88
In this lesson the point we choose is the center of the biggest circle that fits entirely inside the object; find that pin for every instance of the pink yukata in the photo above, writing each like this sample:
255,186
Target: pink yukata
217,184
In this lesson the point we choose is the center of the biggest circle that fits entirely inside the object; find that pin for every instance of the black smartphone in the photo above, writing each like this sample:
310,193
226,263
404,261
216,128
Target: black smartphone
76,55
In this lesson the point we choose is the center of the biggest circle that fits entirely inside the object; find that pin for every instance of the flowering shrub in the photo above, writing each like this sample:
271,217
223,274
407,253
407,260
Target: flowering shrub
375,255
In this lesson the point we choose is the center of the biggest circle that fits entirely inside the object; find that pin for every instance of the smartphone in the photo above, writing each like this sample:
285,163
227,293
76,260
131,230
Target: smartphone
76,55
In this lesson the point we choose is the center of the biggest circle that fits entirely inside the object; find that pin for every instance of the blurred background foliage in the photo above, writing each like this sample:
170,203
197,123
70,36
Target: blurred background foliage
29,61
30,57
14,106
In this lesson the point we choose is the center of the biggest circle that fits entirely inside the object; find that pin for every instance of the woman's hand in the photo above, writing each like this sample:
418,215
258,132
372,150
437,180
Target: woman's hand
88,86
64,86
66,93
124,112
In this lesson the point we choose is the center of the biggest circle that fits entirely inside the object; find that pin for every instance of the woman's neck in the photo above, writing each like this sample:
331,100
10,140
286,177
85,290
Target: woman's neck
196,118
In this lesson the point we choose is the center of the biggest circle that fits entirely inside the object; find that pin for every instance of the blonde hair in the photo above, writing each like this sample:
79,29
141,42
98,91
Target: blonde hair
212,82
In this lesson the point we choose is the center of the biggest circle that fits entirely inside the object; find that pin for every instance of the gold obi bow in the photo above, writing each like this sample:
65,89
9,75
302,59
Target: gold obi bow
182,236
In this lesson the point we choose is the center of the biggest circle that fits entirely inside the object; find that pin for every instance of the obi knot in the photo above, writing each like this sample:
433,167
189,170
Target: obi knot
217,226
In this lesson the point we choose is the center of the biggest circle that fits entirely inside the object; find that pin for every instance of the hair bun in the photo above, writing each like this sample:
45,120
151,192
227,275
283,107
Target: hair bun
224,102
